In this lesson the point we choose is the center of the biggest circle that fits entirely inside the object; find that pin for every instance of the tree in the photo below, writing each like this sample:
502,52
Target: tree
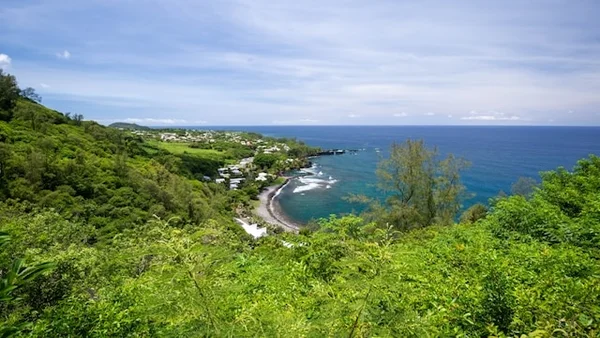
474,213
4,157
421,188
77,118
264,161
524,186
30,94
9,93
30,115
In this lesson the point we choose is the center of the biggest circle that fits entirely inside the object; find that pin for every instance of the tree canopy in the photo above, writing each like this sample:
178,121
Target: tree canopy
421,189
9,92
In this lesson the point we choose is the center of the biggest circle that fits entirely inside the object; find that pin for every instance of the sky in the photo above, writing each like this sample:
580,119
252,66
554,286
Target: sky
266,62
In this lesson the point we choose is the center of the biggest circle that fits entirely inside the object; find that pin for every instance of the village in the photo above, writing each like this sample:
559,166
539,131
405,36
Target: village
274,157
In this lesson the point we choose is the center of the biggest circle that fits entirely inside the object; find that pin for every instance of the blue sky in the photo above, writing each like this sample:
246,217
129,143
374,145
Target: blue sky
262,62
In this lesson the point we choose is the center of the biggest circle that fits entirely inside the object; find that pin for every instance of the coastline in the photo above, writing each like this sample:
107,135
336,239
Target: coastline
270,211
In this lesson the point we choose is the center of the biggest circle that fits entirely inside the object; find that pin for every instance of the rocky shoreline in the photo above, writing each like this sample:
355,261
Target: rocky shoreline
270,211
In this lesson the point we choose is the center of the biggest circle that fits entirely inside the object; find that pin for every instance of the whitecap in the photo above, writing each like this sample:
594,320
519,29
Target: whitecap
281,189
307,187
312,170
309,180
328,187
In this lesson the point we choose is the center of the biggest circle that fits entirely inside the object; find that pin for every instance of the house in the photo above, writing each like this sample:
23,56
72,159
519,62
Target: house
271,150
220,180
168,137
262,177
246,162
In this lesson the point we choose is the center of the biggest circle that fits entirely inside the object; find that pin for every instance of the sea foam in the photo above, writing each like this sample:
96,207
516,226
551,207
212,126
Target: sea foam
313,181
307,187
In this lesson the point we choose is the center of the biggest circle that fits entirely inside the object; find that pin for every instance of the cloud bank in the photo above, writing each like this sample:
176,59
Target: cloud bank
312,62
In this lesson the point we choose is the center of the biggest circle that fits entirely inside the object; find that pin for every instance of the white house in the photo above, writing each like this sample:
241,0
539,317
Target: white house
236,180
246,161
168,137
262,177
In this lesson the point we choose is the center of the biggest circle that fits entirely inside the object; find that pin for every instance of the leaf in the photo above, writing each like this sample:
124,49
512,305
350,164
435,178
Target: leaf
4,238
31,272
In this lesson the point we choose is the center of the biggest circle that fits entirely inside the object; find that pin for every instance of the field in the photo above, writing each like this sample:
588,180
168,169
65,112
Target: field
181,148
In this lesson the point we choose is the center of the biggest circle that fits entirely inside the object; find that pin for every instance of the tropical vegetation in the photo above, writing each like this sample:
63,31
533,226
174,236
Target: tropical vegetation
104,233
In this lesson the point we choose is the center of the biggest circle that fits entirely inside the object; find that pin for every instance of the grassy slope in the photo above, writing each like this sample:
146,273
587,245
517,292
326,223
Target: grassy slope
180,148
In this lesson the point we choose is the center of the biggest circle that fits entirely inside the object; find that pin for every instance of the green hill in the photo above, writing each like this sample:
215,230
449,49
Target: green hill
130,126
137,246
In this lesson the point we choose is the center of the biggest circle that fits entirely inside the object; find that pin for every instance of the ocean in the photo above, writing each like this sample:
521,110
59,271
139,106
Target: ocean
498,156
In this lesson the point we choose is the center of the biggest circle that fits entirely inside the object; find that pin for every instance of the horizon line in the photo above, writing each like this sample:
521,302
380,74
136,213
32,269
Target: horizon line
362,125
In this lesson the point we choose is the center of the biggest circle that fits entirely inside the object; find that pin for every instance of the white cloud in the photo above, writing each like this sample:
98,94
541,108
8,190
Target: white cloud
429,114
491,116
274,63
292,122
154,121
488,118
43,85
403,114
450,116
65,55
352,116
5,61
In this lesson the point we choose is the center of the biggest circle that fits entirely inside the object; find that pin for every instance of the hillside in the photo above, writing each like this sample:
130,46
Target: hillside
130,126
138,246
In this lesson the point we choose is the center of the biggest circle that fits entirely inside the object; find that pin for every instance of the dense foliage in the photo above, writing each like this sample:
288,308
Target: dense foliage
140,248
94,175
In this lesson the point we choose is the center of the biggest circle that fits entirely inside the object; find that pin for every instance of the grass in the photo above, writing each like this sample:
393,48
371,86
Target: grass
280,180
180,148
254,204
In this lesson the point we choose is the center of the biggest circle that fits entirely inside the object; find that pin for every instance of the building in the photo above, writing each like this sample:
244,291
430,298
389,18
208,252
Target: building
262,177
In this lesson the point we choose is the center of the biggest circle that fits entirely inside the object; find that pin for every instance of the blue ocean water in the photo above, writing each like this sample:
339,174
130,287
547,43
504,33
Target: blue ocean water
498,156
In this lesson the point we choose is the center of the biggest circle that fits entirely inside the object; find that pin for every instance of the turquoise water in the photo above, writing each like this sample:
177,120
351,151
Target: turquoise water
499,156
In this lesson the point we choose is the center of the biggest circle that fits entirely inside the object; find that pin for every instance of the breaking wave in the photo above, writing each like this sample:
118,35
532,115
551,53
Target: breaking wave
313,180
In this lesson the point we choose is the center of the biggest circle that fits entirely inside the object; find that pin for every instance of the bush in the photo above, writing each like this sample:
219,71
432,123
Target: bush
474,213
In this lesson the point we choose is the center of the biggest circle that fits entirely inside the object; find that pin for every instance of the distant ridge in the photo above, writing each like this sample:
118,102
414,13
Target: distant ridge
124,125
